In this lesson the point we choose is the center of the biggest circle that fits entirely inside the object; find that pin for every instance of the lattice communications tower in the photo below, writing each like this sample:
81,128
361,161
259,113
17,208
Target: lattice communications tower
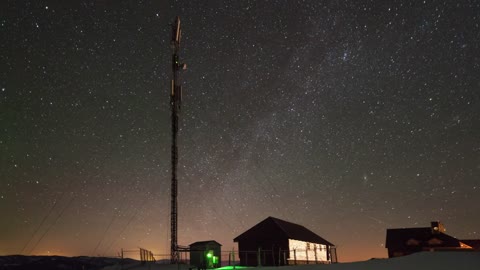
175,104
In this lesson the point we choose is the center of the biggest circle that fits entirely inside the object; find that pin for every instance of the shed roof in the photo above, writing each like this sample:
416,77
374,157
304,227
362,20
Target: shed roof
289,230
202,243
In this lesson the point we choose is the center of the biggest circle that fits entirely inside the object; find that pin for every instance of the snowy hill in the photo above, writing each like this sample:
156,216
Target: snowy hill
418,261
20,262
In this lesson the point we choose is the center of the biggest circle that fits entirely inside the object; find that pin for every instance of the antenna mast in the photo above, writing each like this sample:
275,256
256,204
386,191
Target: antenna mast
175,103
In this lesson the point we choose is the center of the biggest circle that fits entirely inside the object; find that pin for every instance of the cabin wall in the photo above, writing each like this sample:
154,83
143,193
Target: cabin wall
273,252
306,252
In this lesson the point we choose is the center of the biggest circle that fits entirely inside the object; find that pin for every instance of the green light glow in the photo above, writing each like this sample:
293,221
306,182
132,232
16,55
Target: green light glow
231,267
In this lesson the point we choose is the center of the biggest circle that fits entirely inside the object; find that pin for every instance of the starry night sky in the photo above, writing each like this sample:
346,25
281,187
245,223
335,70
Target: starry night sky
347,117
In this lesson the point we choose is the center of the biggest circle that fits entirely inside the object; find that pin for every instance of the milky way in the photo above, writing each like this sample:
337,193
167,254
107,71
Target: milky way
347,117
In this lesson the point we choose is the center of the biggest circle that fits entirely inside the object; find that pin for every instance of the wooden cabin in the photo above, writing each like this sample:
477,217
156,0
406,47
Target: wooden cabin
405,241
274,242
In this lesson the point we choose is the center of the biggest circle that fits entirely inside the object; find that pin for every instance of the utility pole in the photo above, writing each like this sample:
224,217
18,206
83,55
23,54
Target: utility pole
175,104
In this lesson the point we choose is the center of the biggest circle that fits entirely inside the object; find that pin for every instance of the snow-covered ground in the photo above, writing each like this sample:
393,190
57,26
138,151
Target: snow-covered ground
418,261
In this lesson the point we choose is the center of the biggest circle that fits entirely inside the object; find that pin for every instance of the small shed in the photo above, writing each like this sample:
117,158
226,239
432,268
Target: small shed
206,254
274,242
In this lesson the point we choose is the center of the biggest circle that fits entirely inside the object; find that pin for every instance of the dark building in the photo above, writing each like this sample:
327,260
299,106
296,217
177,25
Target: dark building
205,254
405,241
278,242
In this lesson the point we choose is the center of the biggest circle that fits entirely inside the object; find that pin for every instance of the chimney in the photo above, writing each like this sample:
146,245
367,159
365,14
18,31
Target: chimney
437,227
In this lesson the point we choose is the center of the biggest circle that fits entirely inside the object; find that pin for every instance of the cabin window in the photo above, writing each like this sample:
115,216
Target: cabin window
435,242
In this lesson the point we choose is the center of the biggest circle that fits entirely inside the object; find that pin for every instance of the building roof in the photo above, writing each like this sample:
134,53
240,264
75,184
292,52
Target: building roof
411,237
289,230
202,243
474,243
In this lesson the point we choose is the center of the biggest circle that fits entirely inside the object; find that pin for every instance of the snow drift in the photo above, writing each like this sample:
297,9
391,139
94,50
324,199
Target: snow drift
417,261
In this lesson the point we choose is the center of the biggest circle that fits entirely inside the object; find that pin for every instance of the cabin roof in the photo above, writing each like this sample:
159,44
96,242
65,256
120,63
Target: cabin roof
290,230
407,237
